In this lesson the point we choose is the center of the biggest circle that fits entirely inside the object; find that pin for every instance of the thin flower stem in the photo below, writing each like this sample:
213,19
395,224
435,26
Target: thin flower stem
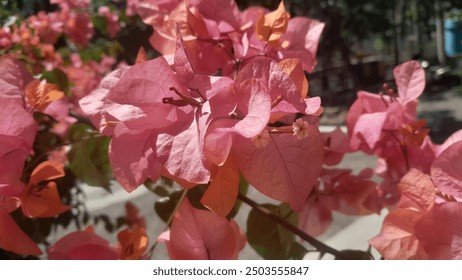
82,119
321,247
169,222
403,147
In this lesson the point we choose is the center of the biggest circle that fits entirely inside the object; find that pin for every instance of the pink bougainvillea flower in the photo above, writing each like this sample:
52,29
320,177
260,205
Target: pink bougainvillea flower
13,78
283,88
13,238
94,104
385,124
47,26
82,245
417,190
203,24
446,170
202,235
252,113
112,20
286,169
338,190
78,26
72,4
5,37
17,134
415,133
336,145
397,239
40,199
430,228
439,231
372,118
135,119
17,126
301,41
296,37
315,217
133,217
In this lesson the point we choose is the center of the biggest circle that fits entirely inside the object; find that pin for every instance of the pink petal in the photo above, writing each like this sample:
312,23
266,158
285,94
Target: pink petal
14,239
366,103
13,79
455,137
224,12
11,165
410,79
286,169
419,188
337,144
446,170
302,36
218,141
82,245
367,130
133,159
94,104
397,239
181,155
17,123
185,70
137,98
199,234
256,106
439,231
315,218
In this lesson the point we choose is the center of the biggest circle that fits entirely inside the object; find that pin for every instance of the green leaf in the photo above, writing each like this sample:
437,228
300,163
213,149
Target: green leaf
100,23
297,251
88,156
271,240
195,194
160,191
59,78
164,206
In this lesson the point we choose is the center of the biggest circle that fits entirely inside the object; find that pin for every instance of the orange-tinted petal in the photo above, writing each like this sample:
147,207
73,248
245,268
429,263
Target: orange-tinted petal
221,194
293,67
134,243
42,201
415,133
39,94
47,170
141,56
272,26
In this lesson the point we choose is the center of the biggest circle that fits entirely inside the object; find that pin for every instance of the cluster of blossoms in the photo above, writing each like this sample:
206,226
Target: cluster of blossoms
229,97
421,180
34,39
39,40
174,117
21,96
